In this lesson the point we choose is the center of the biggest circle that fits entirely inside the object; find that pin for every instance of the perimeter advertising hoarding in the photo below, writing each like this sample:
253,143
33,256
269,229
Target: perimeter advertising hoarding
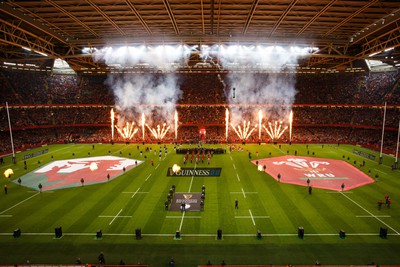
195,172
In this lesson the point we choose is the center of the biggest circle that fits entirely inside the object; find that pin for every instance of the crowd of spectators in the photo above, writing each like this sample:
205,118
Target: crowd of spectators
342,107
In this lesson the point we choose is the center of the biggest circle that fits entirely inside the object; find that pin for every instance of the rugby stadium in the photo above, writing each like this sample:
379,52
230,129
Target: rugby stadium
199,133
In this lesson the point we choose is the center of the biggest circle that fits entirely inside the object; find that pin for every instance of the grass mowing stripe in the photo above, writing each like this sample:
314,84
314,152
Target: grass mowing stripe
371,214
20,203
77,210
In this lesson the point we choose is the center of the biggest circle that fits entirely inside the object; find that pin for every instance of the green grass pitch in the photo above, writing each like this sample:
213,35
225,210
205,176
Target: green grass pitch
138,196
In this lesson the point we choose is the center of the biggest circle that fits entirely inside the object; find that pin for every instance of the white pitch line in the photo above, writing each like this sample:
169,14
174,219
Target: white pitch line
135,192
190,188
243,193
255,217
177,217
279,149
115,217
111,216
251,215
5,216
148,177
157,166
380,171
371,214
194,235
237,175
191,182
234,166
183,217
229,156
20,203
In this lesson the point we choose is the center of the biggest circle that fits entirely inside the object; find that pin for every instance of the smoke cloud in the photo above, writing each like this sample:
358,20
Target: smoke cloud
275,90
154,94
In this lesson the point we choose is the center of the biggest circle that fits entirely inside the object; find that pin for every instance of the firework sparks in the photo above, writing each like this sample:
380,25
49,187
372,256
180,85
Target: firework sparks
128,132
245,132
158,132
275,130
143,124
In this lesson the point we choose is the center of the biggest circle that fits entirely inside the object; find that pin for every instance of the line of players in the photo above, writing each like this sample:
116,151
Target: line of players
196,157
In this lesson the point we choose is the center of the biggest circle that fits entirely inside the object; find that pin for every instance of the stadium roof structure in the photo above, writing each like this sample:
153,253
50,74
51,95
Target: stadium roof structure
344,32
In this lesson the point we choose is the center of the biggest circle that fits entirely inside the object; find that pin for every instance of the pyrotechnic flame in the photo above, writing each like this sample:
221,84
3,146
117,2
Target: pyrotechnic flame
112,124
260,168
143,124
176,124
8,172
260,116
93,166
158,132
244,133
176,168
